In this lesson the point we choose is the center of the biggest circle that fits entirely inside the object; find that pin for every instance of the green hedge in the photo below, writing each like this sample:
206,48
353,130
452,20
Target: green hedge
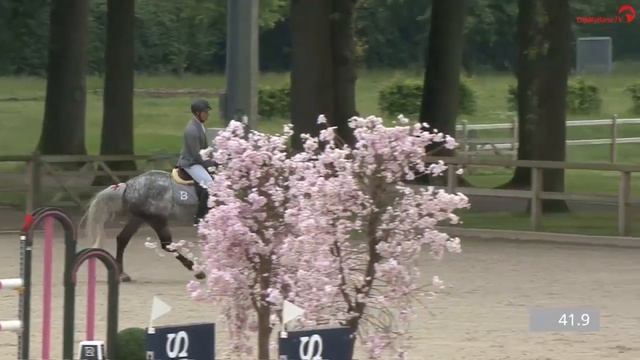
634,91
582,97
131,344
404,97
274,102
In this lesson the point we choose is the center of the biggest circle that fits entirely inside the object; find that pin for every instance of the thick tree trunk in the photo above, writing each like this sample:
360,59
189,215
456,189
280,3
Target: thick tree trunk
439,106
117,121
323,69
550,134
344,68
311,66
264,329
527,75
63,128
263,309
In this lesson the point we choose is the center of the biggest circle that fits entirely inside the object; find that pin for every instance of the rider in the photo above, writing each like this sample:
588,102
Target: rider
195,139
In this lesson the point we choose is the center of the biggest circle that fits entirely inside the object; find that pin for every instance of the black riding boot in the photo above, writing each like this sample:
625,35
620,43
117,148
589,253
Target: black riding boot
203,197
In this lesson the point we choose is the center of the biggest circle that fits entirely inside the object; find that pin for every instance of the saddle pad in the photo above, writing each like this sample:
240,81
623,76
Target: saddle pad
175,175
184,195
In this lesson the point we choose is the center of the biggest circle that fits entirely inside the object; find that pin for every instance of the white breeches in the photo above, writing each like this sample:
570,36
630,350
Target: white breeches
199,174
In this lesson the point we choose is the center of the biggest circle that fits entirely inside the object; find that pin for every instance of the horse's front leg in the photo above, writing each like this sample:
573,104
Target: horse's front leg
161,227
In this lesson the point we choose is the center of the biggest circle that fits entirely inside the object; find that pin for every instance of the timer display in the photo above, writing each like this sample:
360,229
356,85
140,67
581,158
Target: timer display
564,319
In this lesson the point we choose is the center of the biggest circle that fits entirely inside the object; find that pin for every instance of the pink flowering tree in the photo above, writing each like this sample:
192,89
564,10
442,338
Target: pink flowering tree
332,229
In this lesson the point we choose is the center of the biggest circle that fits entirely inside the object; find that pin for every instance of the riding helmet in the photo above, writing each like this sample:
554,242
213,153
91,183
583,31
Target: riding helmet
200,105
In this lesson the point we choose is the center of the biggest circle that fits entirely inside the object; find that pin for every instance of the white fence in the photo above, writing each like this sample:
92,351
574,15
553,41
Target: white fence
471,143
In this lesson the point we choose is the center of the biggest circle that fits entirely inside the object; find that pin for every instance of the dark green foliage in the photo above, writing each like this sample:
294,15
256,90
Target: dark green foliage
391,33
582,97
404,97
189,35
634,91
467,98
131,344
24,28
274,103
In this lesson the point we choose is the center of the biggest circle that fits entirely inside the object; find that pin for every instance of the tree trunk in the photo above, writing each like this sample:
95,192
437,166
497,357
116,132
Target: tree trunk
117,121
262,307
439,106
550,134
323,69
63,128
311,66
527,75
344,68
264,329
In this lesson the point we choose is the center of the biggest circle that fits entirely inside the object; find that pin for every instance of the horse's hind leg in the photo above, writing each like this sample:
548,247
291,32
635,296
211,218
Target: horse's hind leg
161,227
123,238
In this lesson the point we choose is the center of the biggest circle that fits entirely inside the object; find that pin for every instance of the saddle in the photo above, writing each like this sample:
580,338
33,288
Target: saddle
180,176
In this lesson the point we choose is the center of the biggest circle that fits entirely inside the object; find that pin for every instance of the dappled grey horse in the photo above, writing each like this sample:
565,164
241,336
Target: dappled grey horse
154,198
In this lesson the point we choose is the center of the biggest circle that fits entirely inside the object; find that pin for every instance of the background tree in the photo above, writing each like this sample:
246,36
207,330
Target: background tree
311,70
323,73
63,129
161,43
117,120
343,60
439,106
550,132
529,50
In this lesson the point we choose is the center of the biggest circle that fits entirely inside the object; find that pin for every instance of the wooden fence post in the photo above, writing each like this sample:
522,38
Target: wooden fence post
614,138
465,137
34,191
514,137
624,193
536,201
452,178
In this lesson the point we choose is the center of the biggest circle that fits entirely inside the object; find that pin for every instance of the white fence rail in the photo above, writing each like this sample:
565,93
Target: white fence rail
471,143
571,123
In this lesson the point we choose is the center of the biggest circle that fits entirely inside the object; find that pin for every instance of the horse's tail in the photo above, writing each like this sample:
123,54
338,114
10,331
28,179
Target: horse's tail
103,207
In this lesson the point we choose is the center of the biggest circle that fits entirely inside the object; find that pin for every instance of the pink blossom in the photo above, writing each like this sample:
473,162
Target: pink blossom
333,228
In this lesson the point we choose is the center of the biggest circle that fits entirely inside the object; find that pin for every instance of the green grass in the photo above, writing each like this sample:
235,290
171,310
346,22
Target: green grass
570,223
159,121
576,181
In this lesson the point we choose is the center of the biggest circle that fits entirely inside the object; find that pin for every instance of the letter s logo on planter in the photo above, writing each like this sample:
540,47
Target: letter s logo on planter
177,345
314,348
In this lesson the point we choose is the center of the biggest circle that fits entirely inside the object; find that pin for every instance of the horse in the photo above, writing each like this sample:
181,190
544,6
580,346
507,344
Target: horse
154,198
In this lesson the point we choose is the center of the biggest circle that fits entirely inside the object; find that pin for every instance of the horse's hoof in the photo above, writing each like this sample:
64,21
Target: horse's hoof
200,275
125,277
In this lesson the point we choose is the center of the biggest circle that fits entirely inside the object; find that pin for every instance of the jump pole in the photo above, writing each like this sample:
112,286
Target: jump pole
47,287
91,300
46,215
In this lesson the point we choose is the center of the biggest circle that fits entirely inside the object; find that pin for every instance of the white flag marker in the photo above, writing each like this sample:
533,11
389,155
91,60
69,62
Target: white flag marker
290,311
158,308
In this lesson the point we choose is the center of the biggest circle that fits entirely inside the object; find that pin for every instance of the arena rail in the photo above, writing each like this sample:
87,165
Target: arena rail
471,143
39,165
536,193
